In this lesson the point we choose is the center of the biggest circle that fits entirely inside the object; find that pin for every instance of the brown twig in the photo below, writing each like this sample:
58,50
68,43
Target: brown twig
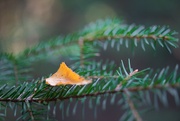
102,77
131,89
16,74
29,110
118,87
126,36
132,107
81,44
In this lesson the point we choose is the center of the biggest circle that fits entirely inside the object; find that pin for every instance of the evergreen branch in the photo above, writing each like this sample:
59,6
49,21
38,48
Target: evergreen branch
82,46
130,89
11,68
103,30
143,37
118,30
161,35
38,91
59,46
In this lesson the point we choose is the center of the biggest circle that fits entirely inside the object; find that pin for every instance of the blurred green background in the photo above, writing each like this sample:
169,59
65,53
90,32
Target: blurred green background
24,23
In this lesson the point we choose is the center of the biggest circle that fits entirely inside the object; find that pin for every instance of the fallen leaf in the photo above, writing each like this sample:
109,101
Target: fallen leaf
65,76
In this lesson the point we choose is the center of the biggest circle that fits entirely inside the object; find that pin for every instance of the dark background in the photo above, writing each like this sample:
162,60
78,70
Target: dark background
24,23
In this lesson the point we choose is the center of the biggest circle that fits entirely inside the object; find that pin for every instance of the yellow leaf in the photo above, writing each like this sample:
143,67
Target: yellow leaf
65,76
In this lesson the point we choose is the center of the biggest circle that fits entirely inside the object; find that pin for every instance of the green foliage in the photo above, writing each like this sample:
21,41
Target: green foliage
37,101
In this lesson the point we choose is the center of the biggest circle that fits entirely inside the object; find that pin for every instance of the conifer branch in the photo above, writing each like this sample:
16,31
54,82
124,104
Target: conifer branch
43,49
130,89
82,47
163,35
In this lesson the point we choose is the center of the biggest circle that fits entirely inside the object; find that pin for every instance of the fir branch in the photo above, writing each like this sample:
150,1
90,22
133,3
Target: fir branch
109,30
82,47
130,89
67,45
30,93
11,68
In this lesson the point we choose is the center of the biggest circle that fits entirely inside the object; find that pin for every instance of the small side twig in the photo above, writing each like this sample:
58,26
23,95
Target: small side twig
132,107
16,74
31,96
102,77
29,110
81,44
126,79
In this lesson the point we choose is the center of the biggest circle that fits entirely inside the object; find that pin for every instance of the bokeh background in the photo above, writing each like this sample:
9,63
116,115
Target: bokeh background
24,23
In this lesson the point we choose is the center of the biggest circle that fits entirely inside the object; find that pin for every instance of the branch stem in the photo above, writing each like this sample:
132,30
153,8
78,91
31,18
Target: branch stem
16,74
131,89
127,37
29,110
81,45
132,106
